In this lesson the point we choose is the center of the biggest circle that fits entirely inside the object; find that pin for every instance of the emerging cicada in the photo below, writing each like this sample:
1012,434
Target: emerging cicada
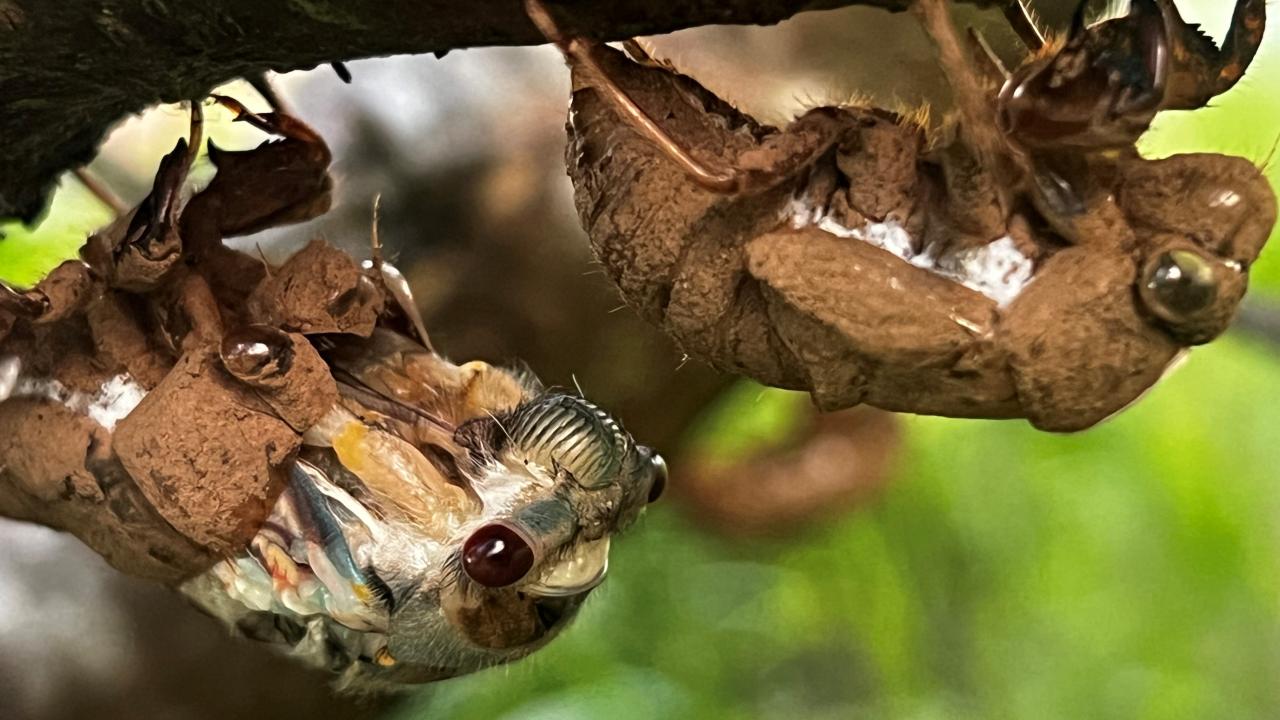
1025,262
283,445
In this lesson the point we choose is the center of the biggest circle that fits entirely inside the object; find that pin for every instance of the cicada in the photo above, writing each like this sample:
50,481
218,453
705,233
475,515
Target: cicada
283,444
1023,261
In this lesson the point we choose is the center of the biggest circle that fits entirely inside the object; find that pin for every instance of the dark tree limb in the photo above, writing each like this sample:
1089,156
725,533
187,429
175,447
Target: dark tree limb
71,68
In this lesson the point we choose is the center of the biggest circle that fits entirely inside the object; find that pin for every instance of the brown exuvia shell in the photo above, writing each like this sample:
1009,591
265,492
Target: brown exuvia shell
760,283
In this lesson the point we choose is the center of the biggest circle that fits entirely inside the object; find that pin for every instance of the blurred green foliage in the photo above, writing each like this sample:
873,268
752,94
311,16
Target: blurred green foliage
28,254
1128,572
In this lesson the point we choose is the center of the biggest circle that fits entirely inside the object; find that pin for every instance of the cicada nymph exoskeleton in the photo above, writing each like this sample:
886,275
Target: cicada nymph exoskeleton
1023,261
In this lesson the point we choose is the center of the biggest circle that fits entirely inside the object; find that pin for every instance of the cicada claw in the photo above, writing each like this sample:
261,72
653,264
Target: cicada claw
1024,25
1104,86
273,184
138,253
1200,71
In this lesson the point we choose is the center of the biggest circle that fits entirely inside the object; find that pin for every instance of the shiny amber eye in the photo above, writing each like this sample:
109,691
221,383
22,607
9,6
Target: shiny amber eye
257,352
659,468
497,555
1178,285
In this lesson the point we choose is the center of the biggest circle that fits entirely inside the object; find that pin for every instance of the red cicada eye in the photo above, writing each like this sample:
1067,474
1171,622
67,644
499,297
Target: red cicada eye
497,555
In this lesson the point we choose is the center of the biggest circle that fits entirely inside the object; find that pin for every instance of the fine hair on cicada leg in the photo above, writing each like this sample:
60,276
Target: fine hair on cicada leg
1023,260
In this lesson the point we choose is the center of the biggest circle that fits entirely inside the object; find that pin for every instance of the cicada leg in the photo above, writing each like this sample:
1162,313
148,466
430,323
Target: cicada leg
640,55
153,230
1201,72
100,191
581,51
63,291
1100,89
987,57
585,54
1024,25
394,282
305,551
983,172
140,248
276,183
1102,86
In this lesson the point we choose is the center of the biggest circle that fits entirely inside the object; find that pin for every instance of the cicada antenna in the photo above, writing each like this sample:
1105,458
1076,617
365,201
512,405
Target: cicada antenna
393,281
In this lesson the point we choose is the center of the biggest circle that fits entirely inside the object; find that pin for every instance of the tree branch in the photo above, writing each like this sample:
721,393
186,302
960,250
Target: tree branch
70,69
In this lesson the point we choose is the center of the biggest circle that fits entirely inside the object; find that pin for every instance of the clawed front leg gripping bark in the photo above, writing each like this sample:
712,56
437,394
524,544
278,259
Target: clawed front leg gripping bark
986,172
582,51
135,327
138,248
276,183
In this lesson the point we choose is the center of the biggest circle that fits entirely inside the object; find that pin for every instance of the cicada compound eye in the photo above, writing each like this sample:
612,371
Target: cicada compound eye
1179,285
255,353
497,555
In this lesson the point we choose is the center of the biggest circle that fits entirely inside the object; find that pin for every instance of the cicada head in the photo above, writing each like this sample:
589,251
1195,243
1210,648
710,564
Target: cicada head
1202,220
556,479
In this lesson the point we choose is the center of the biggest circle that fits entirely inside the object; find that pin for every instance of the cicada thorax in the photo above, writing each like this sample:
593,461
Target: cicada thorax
750,282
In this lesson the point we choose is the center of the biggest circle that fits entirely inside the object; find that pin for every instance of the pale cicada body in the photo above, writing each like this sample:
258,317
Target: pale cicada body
441,519
283,445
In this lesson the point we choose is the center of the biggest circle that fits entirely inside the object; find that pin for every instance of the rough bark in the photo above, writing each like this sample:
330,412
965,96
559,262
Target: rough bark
71,68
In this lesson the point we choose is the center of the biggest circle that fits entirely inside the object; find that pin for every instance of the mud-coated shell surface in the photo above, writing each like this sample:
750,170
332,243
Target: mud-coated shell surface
737,284
191,471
